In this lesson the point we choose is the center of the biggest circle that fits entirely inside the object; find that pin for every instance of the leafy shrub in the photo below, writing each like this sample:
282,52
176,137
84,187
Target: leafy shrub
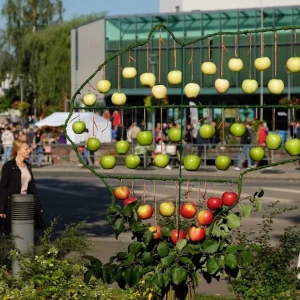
273,273
6,244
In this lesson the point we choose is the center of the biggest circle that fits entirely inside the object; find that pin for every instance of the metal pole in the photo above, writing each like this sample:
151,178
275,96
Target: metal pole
22,225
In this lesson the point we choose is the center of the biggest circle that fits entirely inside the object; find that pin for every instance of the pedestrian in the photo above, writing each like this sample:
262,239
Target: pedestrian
17,178
246,140
116,119
86,151
7,142
262,135
61,139
132,132
38,146
200,141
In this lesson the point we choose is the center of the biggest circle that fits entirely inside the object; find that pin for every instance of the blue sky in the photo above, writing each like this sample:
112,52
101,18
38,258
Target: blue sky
113,7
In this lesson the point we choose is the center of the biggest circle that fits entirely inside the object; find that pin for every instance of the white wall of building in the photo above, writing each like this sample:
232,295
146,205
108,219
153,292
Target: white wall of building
91,54
168,6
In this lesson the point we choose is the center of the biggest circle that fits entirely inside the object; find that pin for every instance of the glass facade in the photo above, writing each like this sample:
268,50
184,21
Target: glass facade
122,32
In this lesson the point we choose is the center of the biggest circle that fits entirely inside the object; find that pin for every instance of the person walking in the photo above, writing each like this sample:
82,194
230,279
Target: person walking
86,151
7,142
246,140
17,178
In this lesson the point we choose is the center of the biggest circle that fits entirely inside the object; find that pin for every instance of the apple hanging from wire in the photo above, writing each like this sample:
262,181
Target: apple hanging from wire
235,64
175,77
249,86
129,72
118,98
148,79
222,85
262,63
89,99
276,86
293,64
159,92
209,68
103,86
192,90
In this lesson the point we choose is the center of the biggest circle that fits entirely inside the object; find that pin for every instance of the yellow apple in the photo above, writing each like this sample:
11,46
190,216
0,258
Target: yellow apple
175,77
262,63
275,86
293,64
148,79
192,90
89,99
209,68
118,98
129,72
235,64
222,85
249,86
103,86
159,91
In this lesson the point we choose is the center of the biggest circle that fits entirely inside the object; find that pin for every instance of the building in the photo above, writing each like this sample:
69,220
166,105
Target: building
94,42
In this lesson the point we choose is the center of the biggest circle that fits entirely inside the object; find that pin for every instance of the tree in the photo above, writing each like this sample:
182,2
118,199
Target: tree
24,17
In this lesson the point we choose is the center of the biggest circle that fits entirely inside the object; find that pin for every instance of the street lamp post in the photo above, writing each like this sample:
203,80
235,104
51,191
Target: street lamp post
289,98
21,79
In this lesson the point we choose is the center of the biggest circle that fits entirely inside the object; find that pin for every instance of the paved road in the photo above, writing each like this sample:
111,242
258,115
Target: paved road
78,196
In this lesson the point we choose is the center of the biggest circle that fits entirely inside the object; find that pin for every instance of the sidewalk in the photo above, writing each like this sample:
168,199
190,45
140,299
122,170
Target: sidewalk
289,171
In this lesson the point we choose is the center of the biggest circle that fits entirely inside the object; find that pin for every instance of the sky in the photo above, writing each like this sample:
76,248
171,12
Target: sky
112,7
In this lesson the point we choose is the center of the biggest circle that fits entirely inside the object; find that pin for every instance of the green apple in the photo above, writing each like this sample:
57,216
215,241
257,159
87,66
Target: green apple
207,131
262,63
275,86
129,72
249,86
222,85
237,129
273,141
148,79
166,209
257,153
132,161
175,77
122,147
209,68
118,98
293,64
235,64
78,127
222,162
89,99
175,134
191,162
192,90
159,92
103,86
292,147
161,160
93,144
107,161
145,138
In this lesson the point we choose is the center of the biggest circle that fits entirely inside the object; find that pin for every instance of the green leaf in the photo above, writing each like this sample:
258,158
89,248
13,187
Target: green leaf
217,232
127,210
223,244
166,278
132,276
147,258
146,270
258,204
194,249
230,260
135,247
211,246
246,210
195,278
119,226
178,275
166,231
212,266
136,226
168,260
163,249
87,276
147,237
233,221
114,208
181,243
160,280
108,273
187,261
247,257
233,248
260,194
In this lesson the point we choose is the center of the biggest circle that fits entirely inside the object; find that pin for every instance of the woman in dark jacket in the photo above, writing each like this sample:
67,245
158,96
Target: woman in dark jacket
17,178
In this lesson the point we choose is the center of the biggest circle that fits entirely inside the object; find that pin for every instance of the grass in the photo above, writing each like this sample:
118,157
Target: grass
206,297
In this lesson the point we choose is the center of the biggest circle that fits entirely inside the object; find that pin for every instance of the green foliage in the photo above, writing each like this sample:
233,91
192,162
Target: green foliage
6,244
272,274
4,103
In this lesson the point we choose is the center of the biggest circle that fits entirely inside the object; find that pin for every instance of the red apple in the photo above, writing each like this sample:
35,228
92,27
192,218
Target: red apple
213,203
129,200
205,217
121,192
229,198
156,230
196,234
145,211
175,236
188,210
